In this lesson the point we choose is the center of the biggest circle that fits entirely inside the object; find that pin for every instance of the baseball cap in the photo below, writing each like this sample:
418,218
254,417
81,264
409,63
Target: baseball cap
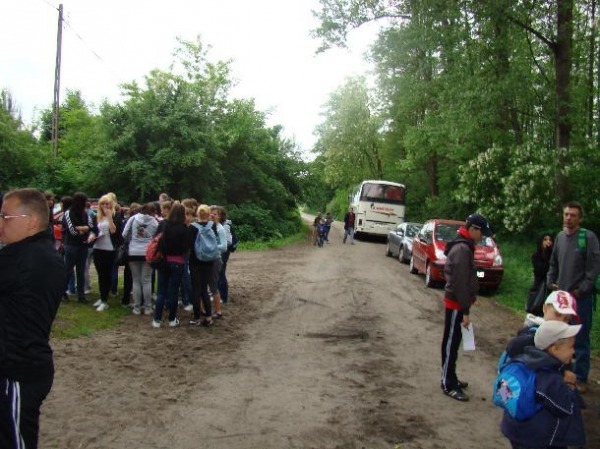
550,332
563,302
481,222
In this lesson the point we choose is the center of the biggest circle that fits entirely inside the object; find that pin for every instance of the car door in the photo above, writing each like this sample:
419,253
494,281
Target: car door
400,230
420,247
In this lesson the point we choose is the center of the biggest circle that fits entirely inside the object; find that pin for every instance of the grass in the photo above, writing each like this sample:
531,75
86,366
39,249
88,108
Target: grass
518,277
75,320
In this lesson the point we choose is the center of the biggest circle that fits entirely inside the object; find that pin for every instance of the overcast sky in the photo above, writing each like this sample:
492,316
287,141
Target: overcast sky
113,41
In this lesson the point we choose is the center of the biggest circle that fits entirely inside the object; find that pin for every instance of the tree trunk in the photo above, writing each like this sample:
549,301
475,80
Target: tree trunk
432,175
591,59
563,55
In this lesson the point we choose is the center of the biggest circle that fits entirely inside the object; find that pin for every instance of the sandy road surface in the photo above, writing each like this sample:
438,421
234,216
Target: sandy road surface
334,347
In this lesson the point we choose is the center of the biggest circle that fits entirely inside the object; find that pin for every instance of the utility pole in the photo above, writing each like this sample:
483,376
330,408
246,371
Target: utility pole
57,84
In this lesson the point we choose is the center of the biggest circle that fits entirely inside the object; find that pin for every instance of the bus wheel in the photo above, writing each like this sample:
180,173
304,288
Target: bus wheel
411,266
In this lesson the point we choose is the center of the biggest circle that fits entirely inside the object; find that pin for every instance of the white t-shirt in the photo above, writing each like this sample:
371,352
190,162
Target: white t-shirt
103,241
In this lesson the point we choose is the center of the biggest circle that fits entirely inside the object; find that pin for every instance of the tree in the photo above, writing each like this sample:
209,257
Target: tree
350,135
22,156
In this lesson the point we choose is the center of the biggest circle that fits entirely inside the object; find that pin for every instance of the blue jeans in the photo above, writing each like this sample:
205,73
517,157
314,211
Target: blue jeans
349,233
169,280
186,284
582,339
76,256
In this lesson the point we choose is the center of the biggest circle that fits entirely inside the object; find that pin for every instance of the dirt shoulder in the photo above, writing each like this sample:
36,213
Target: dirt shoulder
333,347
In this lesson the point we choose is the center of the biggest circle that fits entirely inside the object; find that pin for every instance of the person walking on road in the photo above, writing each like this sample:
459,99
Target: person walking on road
349,220
459,294
574,266
32,283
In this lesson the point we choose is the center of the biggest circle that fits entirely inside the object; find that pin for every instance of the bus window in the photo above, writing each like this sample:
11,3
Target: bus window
394,193
372,191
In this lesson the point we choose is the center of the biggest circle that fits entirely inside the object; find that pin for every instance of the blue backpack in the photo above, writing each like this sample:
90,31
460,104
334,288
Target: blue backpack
206,246
514,390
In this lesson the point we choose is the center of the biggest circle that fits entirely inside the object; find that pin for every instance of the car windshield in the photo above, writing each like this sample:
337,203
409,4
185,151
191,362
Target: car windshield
412,230
445,232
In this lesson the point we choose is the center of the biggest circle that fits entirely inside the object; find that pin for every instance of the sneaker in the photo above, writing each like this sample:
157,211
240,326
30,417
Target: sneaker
457,394
102,307
174,323
136,311
195,322
97,303
155,324
188,308
87,291
217,315
148,311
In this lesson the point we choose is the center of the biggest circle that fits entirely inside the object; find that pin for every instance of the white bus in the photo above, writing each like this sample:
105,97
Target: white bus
378,205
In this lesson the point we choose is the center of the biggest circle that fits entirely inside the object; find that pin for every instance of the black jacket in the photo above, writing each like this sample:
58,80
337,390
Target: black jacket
32,282
459,270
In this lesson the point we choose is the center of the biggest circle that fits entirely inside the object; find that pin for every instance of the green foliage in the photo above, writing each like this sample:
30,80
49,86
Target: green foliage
349,137
254,223
473,101
338,206
23,160
178,133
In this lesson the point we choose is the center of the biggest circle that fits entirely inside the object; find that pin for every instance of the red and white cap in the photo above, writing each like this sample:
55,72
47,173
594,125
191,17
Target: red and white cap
563,302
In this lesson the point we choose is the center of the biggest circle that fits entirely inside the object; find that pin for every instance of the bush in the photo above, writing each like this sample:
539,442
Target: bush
254,223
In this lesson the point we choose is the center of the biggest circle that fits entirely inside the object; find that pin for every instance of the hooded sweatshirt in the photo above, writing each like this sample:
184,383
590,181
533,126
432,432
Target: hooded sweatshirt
138,232
461,282
559,423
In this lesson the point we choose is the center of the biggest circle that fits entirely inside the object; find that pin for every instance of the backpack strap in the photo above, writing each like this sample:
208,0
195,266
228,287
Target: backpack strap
214,228
582,241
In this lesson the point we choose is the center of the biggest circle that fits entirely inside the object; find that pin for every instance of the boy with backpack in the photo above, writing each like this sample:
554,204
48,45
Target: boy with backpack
556,420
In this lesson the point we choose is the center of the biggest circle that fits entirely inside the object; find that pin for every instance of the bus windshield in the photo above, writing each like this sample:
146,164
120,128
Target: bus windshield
382,193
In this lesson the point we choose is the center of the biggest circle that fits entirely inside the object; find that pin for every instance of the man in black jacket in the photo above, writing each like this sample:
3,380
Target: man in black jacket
32,280
460,293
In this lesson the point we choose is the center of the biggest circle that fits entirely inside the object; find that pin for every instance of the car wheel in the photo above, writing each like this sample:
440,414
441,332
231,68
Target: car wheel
429,282
388,253
401,257
411,266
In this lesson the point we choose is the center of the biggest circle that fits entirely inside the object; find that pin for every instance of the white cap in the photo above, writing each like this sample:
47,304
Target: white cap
563,302
550,332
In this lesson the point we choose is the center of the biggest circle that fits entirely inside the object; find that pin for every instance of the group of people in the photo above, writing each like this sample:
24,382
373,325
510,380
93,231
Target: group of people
321,227
114,237
554,342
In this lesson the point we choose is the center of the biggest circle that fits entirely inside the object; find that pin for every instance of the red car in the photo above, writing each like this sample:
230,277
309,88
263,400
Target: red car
428,255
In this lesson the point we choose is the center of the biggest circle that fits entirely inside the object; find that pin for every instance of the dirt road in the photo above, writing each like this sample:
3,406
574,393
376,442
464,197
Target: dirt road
334,347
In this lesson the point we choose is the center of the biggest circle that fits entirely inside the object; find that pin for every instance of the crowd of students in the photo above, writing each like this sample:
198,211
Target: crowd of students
112,235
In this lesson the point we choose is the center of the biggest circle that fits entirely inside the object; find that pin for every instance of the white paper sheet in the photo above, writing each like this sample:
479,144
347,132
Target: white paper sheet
468,337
